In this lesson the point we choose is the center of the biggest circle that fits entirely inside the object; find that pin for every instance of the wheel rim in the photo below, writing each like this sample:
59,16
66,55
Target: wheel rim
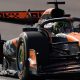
21,57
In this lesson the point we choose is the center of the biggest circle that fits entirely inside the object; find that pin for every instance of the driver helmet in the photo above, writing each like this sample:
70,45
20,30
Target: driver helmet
59,27
62,27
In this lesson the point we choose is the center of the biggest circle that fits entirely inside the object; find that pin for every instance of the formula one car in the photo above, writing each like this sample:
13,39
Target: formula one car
44,54
49,49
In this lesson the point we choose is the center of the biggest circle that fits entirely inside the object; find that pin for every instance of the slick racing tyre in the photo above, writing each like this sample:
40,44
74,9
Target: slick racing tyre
23,60
30,51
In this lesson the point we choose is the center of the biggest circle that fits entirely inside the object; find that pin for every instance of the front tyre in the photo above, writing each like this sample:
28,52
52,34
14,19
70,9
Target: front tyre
26,61
21,59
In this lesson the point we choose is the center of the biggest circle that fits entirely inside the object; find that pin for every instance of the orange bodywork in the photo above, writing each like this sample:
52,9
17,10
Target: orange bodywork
14,42
32,55
48,11
20,14
73,36
14,14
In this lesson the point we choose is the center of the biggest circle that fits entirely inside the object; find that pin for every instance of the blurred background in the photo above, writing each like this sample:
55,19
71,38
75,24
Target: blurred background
9,30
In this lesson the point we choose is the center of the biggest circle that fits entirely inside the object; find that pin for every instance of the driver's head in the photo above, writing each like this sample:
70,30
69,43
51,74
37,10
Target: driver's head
58,27
62,27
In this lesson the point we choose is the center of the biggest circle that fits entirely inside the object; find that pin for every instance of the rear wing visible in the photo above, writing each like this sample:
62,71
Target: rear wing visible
21,17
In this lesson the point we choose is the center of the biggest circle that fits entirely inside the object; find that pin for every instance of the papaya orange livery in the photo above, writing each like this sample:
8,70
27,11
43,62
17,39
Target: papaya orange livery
74,36
22,16
36,13
14,14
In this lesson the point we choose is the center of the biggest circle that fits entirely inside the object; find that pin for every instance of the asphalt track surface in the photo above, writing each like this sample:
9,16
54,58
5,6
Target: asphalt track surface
7,78
9,31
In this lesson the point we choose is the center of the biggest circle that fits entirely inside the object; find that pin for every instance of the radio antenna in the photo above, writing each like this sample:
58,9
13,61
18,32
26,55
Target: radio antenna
56,3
